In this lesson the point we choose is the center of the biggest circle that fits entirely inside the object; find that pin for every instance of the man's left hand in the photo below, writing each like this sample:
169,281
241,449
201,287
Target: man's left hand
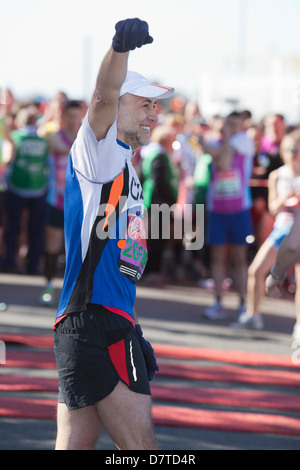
148,352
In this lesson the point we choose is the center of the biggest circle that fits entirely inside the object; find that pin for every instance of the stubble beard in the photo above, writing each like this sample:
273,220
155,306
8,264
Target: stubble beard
135,140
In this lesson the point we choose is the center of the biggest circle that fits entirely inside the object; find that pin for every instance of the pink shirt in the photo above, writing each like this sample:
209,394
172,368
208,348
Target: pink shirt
229,190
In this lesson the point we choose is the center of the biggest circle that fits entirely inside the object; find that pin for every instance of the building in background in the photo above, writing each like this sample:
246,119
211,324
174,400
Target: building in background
262,84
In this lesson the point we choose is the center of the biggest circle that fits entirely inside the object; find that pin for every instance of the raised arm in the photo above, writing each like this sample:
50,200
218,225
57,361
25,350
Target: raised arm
223,157
276,201
130,33
223,154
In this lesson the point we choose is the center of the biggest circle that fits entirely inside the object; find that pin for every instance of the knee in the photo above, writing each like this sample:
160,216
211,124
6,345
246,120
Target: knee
142,441
139,437
150,439
151,444
255,272
64,444
74,440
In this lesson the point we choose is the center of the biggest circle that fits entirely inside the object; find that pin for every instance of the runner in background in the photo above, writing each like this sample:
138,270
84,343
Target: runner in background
284,195
288,254
228,207
27,182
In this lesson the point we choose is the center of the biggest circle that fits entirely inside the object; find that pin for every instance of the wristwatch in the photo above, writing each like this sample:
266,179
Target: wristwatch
277,278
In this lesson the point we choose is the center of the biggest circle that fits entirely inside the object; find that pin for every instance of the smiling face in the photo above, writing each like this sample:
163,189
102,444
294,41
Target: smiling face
136,116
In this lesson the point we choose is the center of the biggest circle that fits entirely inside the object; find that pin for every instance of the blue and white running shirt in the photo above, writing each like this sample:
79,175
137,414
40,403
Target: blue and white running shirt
105,240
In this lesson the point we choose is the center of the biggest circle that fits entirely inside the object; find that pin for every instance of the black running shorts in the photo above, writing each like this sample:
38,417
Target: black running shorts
94,350
55,217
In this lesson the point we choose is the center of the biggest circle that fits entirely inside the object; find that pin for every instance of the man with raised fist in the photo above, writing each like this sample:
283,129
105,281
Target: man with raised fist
104,363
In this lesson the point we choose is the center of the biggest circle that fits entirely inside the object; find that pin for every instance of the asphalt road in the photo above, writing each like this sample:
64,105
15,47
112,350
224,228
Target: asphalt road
169,314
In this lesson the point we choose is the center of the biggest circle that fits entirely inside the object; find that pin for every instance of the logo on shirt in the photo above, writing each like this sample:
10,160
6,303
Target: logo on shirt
136,190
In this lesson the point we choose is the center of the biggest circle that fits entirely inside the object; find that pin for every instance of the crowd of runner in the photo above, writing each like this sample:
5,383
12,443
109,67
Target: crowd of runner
179,167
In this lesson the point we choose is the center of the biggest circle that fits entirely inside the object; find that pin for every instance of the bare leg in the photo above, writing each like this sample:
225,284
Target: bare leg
239,254
77,430
218,256
257,273
126,416
54,239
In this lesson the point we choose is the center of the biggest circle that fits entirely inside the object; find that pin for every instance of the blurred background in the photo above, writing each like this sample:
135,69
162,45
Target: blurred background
224,54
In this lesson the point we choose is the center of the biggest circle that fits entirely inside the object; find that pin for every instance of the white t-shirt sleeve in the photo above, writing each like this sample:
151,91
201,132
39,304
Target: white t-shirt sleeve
97,161
243,144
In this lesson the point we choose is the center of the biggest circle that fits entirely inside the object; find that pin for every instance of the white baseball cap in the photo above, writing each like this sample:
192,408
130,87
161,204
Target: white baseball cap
136,84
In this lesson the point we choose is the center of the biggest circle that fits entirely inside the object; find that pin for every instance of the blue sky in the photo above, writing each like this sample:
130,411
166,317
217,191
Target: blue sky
48,46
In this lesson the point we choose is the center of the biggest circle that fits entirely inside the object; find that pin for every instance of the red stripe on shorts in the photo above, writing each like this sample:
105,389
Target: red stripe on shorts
118,357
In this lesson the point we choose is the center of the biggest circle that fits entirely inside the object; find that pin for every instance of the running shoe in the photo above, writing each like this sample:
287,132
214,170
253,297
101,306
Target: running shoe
247,321
47,296
241,310
215,312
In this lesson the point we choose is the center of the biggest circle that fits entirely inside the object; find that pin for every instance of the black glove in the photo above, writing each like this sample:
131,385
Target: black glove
131,33
148,352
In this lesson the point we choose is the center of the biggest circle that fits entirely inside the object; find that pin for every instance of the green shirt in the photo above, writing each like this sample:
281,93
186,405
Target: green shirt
202,178
29,173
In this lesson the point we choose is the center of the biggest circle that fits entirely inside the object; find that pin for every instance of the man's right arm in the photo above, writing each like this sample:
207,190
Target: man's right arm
104,103
130,33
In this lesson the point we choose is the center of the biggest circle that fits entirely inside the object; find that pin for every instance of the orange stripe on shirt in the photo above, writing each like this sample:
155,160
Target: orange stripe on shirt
114,196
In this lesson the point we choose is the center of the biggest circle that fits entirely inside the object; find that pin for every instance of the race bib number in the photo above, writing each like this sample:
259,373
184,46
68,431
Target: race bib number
228,184
134,254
